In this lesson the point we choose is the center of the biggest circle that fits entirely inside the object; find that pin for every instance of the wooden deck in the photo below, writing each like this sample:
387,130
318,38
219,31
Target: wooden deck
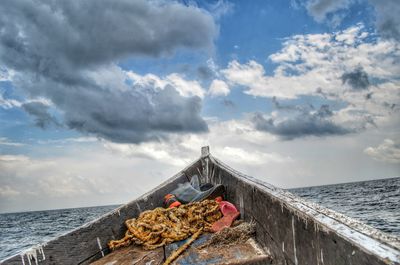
248,252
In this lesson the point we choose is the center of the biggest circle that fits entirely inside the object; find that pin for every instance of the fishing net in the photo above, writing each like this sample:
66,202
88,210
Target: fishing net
158,227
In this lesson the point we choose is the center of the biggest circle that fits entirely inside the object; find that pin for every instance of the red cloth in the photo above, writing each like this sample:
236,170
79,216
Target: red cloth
230,214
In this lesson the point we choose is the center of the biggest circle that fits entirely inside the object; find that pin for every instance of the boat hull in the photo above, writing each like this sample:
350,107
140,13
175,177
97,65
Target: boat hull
292,230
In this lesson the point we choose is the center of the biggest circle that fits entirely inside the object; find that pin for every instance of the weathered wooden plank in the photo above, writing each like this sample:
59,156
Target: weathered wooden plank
132,255
88,243
298,232
247,252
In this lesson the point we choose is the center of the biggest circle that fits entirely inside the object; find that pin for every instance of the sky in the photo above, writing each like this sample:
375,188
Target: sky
101,101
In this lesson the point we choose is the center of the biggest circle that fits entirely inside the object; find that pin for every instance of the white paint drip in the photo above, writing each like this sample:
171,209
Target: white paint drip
138,207
294,242
31,255
322,256
241,206
201,175
212,176
207,175
150,262
41,251
99,244
22,258
369,239
283,246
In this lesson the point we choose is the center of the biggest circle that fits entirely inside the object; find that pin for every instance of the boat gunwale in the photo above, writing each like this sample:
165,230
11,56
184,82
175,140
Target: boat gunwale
39,247
364,236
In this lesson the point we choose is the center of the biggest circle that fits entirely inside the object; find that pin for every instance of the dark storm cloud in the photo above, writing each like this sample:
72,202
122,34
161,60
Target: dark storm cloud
39,110
54,46
82,33
306,123
388,18
357,79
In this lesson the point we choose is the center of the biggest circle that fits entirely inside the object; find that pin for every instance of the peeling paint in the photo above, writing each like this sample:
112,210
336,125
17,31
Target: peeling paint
322,256
99,244
241,206
294,242
41,251
138,207
31,255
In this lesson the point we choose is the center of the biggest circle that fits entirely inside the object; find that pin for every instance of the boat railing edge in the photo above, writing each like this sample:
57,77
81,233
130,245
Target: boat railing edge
323,215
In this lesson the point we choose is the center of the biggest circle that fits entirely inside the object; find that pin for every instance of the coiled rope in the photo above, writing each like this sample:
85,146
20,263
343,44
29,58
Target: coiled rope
158,227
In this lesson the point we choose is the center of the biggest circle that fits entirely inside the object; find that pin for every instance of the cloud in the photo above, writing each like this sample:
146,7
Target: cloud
254,157
353,68
9,103
319,9
387,14
113,30
388,20
310,62
7,191
186,88
5,141
60,53
204,72
357,79
306,123
218,88
388,151
41,113
220,8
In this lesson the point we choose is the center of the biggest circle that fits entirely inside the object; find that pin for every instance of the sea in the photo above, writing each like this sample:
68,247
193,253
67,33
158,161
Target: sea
374,202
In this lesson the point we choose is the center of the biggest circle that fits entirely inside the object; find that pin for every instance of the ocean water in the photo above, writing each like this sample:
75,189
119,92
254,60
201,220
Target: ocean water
376,202
373,202
19,231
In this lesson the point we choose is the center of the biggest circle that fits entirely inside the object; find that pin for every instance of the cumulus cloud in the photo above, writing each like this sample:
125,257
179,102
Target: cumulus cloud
218,88
310,62
305,123
387,151
336,67
184,87
60,53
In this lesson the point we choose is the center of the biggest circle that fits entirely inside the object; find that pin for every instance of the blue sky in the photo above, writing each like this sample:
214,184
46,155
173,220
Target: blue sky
296,93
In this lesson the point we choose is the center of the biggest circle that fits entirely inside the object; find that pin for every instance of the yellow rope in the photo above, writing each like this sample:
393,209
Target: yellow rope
158,227
182,248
